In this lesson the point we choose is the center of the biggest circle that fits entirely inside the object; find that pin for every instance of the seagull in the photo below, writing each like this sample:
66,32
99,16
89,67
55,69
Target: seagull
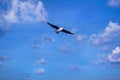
59,29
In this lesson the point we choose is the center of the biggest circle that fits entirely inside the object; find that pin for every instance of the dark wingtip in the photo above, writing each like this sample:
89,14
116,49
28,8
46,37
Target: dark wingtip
48,23
71,33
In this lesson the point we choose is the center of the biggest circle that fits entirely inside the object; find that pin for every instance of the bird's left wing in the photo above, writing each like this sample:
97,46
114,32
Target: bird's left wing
68,32
54,26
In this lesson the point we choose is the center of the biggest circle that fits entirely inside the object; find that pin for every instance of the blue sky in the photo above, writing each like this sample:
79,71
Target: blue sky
31,50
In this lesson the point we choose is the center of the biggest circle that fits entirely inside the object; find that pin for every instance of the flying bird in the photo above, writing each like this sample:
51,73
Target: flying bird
59,29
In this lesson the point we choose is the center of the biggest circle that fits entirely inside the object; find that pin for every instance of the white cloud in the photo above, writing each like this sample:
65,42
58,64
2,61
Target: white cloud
115,55
28,11
40,71
109,60
11,17
41,61
111,31
114,3
11,14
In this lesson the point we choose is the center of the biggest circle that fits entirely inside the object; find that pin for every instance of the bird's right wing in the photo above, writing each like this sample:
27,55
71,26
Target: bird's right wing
68,32
54,26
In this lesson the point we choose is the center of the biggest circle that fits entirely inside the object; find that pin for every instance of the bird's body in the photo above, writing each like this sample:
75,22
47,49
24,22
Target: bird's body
59,29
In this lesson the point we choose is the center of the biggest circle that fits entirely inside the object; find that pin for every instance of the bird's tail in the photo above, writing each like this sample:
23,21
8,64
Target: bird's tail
56,31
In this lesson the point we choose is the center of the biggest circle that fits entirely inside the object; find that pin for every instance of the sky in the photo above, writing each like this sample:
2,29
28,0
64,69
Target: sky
31,50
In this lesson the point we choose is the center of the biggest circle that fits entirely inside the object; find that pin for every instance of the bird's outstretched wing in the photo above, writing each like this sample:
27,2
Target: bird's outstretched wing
68,32
54,26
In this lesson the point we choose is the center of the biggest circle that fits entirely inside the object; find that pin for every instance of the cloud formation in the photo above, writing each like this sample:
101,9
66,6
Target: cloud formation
17,11
25,11
111,60
114,3
111,32
115,55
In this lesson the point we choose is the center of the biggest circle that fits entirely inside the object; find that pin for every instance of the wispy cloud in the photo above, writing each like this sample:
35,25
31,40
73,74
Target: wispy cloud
102,60
40,71
25,11
111,32
36,45
47,39
41,61
114,3
80,38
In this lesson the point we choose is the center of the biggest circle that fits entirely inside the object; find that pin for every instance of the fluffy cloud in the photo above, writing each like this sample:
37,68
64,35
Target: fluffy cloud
111,31
25,11
16,11
109,60
115,55
114,3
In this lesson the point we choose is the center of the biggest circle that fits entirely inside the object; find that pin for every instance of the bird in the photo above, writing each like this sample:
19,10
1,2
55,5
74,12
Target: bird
59,29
